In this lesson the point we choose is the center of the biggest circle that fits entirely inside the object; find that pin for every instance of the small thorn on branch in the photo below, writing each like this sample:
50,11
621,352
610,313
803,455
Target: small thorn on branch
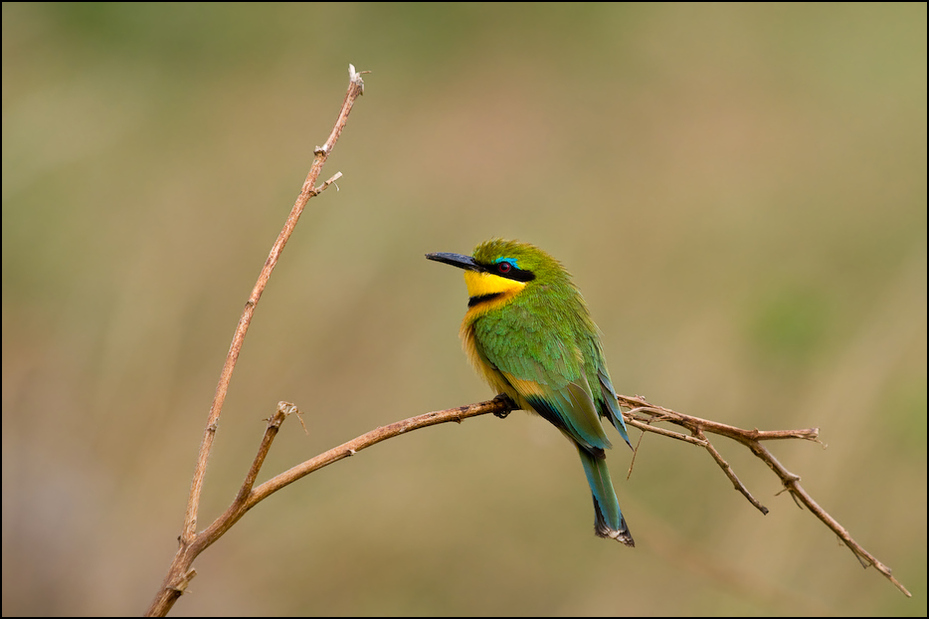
331,181
184,582
355,77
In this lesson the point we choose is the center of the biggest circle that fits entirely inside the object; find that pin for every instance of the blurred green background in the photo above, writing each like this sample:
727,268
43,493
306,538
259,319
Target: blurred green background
739,190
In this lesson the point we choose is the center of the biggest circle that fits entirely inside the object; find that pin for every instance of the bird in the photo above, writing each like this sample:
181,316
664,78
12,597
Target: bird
528,333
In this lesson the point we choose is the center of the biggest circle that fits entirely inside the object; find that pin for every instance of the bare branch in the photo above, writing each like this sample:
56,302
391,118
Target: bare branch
355,89
171,589
497,406
501,406
642,414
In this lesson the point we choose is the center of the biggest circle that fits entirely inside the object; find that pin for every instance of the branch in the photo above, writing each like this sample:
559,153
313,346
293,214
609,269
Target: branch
642,414
179,574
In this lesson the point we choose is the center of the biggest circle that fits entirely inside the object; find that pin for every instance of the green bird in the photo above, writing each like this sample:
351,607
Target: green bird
529,334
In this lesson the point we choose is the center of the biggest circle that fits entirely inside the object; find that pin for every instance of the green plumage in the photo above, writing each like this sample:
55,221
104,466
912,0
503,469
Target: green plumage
529,333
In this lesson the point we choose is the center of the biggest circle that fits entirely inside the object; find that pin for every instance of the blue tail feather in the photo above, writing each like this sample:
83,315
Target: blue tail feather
609,518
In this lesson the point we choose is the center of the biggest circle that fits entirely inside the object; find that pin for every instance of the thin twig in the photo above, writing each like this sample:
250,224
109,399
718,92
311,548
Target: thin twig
497,406
500,407
355,90
641,414
730,473
179,572
247,497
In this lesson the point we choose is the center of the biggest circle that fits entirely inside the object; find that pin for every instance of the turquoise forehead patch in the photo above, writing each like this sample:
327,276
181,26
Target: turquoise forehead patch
512,261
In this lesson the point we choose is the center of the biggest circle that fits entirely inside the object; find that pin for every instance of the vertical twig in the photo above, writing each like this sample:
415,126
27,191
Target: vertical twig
355,90
179,574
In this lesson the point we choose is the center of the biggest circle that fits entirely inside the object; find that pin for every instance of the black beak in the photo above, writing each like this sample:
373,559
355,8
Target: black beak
456,260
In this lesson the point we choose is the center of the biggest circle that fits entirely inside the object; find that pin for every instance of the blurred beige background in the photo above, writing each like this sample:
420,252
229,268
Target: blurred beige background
739,190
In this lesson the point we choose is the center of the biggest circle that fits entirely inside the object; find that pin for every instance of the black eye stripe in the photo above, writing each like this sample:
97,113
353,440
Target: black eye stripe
507,269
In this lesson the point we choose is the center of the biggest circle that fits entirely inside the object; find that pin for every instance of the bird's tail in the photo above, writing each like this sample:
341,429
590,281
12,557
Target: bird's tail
609,518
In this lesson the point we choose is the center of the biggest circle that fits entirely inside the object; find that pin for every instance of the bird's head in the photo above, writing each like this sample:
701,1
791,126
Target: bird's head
499,270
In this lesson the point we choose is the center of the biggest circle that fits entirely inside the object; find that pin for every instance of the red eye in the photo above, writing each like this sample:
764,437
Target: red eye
504,267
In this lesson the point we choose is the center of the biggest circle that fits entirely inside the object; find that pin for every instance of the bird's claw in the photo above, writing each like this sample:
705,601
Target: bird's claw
504,399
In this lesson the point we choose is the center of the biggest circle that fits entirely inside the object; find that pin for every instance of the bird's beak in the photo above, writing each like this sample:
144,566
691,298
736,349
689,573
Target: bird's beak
456,260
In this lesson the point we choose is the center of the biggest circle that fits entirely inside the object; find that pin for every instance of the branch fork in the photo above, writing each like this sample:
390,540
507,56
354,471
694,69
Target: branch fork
640,414
191,543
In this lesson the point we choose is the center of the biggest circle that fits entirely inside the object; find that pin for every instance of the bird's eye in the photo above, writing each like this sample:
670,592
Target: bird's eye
504,267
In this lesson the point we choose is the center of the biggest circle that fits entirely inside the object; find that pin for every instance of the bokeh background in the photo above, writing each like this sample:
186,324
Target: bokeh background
739,190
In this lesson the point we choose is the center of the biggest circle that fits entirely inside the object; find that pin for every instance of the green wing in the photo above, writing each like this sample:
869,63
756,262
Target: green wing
547,370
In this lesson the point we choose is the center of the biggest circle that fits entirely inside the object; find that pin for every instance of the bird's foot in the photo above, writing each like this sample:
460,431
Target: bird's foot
508,402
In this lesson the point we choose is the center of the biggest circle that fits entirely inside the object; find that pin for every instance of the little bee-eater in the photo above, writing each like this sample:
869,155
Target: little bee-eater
529,334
